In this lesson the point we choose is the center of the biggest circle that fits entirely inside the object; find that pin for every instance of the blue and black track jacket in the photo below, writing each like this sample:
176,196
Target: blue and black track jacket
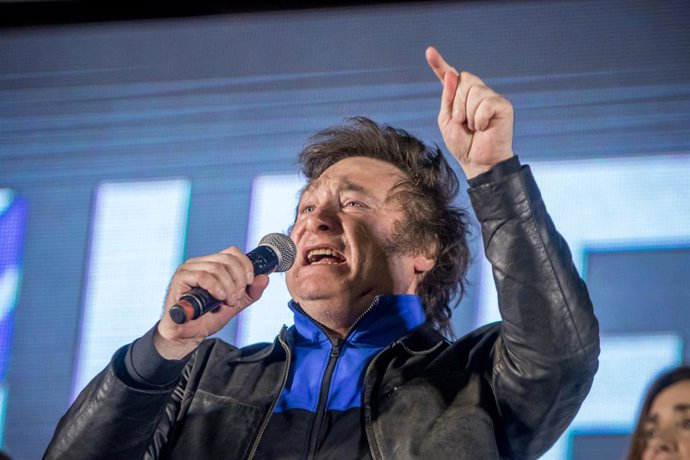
318,413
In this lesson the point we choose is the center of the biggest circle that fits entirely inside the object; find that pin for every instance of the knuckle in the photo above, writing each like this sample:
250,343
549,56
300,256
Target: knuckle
483,108
474,87
225,257
203,277
229,261
481,92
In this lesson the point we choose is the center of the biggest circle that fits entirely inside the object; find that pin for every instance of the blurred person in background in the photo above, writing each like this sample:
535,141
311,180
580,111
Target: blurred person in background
663,428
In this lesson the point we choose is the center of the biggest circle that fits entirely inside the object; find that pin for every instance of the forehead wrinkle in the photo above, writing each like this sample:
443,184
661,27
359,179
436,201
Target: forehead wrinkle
402,186
341,184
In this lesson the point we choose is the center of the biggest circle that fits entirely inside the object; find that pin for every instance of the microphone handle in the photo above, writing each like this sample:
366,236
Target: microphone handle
264,259
192,305
198,301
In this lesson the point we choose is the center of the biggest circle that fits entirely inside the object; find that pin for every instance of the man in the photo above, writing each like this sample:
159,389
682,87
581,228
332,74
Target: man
364,373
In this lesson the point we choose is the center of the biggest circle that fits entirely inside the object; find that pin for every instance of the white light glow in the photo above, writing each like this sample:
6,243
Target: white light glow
627,365
608,203
274,199
138,240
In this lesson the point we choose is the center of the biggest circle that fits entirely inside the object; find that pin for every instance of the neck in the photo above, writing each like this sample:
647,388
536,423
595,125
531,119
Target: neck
337,317
387,319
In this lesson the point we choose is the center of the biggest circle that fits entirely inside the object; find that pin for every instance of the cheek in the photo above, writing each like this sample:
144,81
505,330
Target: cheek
291,275
684,446
375,235
647,453
291,283
295,230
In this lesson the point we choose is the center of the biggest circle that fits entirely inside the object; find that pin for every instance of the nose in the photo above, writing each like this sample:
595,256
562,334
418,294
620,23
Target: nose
323,219
664,443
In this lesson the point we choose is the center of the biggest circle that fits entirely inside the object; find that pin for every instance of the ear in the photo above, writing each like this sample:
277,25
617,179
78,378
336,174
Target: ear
425,260
423,263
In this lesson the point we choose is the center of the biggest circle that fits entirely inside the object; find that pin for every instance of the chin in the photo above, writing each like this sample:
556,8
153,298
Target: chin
311,295
313,286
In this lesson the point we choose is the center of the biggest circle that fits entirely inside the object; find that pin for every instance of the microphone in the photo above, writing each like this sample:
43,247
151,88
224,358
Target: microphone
276,252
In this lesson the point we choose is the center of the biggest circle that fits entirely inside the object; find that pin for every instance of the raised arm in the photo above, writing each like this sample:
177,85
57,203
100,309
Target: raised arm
545,357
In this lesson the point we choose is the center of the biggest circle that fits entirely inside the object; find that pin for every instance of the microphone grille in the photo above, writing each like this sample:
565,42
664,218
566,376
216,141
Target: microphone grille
284,248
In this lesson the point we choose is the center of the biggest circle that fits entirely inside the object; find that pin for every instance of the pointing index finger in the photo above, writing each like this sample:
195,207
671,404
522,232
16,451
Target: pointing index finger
438,64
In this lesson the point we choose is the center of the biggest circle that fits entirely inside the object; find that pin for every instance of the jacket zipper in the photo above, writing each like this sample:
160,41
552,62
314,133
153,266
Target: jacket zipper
264,424
337,345
323,397
364,313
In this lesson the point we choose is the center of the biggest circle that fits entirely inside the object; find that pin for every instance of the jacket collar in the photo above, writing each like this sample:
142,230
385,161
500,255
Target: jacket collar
388,319
259,351
423,340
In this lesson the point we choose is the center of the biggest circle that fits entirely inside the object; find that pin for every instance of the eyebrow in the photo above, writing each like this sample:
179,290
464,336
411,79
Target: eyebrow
352,187
346,185
651,418
682,407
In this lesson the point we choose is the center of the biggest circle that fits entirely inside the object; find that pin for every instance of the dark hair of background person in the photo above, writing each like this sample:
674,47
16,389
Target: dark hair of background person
432,222
665,380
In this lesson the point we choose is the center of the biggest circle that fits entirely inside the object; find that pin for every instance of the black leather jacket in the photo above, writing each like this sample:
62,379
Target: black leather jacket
507,390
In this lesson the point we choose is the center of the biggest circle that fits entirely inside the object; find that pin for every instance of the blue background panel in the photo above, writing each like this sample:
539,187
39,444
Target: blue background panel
642,290
598,446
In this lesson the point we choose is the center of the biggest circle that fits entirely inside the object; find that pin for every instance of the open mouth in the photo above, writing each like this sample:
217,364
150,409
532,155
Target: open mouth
324,256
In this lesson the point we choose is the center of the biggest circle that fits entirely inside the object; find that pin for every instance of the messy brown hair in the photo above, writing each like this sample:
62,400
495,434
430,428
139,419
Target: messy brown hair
432,221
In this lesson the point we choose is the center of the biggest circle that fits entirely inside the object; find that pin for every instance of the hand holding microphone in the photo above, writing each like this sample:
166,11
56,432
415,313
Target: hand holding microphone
229,279
276,252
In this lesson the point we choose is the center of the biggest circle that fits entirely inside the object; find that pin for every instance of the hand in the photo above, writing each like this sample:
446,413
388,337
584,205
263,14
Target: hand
229,277
475,121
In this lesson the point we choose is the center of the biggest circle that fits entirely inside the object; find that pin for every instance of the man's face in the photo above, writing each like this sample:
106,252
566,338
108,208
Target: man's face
345,220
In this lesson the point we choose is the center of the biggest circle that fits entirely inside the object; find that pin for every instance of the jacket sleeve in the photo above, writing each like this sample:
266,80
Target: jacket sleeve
545,358
114,417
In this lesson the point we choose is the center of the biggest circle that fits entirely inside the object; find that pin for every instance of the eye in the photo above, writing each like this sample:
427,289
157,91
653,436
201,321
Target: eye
306,209
685,424
649,433
353,204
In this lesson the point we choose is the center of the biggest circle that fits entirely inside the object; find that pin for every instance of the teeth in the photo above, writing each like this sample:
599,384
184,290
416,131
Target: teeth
312,256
